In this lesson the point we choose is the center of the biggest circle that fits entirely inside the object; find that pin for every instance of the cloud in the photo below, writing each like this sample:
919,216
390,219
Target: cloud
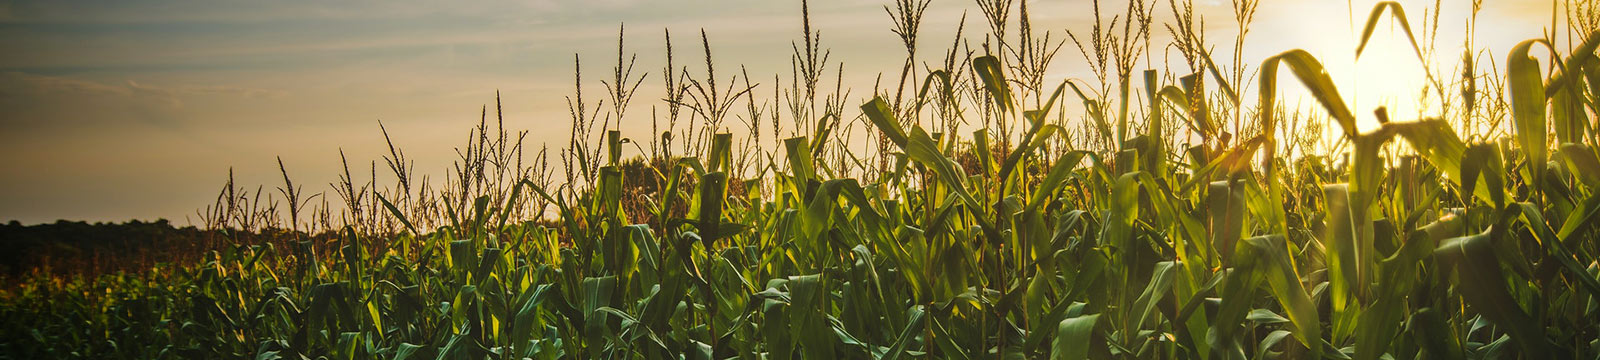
23,83
182,35
239,12
50,85
34,102
174,92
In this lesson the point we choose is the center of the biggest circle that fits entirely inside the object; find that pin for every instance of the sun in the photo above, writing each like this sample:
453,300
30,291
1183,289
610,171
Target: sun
1401,64
1388,74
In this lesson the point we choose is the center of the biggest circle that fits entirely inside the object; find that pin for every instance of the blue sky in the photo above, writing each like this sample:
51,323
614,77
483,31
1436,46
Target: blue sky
114,110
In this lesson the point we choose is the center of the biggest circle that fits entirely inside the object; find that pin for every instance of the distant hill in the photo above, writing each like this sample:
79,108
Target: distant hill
77,247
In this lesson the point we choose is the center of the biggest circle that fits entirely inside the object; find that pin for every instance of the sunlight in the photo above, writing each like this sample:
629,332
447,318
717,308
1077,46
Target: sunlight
1387,74
718,179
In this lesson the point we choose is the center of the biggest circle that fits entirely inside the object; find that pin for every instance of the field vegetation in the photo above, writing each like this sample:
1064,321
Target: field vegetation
957,211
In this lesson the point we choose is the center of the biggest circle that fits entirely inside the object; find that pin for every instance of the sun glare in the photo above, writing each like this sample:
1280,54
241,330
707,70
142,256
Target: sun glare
1388,74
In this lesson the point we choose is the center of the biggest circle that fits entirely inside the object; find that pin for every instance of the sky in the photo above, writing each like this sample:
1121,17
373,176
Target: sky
112,110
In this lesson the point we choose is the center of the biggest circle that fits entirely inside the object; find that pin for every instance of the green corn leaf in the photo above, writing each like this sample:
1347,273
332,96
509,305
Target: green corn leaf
1314,77
1428,327
1526,86
878,111
1225,205
713,191
800,161
1372,23
1272,339
1482,283
994,79
1482,162
408,351
527,316
397,215
1583,162
1073,337
720,156
1160,284
808,318
1092,106
1269,255
919,321
609,194
1581,60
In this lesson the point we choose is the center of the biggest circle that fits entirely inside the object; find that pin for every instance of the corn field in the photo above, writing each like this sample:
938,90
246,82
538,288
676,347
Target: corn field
959,211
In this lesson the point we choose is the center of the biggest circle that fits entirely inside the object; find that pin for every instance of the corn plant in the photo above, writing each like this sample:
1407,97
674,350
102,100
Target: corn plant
1111,235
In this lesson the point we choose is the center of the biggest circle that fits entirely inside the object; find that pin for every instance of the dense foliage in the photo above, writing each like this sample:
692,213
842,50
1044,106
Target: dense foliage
1191,226
76,248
